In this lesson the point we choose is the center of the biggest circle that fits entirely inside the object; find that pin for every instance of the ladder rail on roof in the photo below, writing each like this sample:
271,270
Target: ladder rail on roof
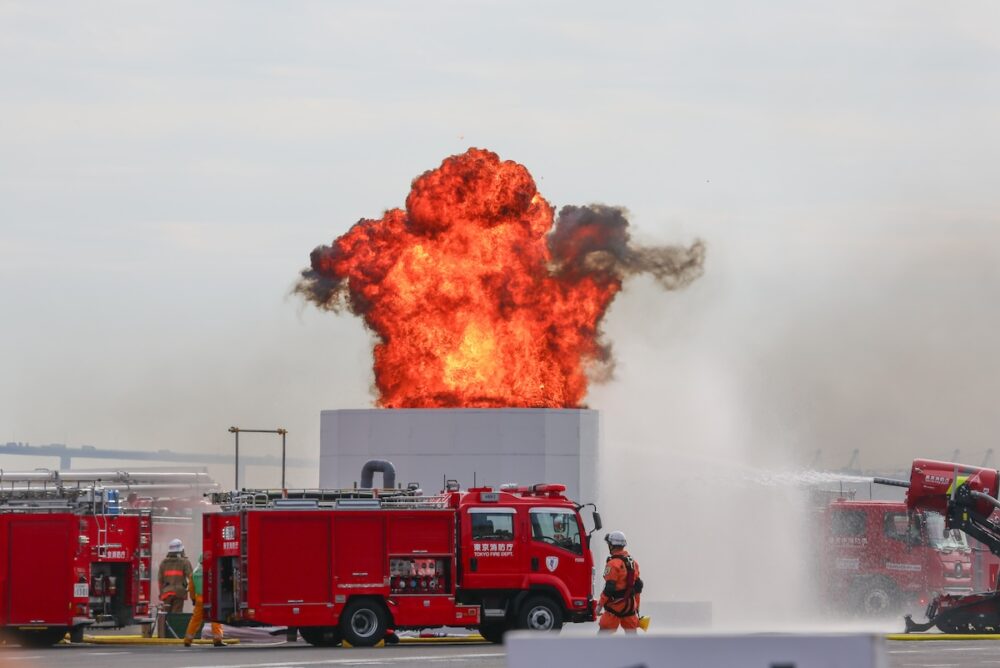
326,498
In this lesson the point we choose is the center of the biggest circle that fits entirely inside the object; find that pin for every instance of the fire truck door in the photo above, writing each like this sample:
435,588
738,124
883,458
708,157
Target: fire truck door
492,547
847,545
557,547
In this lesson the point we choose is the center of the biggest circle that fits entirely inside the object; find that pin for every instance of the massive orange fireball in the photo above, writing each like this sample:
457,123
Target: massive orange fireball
475,298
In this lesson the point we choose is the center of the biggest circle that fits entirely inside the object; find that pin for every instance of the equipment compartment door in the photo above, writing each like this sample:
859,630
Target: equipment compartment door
294,557
361,559
41,562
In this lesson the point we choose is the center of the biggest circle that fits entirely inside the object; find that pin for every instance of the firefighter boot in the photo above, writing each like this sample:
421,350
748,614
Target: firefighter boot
187,641
217,642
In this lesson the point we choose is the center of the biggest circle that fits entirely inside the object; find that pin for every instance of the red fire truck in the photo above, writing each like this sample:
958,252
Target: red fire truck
355,564
43,575
120,556
878,559
69,559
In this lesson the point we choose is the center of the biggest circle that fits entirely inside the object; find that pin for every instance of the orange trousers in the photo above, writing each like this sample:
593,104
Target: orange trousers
197,617
610,623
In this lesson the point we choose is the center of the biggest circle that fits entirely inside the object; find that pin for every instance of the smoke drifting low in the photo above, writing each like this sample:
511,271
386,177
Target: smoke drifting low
478,297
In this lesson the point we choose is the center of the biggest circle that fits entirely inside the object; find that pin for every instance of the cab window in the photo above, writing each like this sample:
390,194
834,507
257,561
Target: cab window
896,526
848,523
492,526
556,527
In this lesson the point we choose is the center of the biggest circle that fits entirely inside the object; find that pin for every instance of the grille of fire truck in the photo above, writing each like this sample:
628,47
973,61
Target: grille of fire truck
326,498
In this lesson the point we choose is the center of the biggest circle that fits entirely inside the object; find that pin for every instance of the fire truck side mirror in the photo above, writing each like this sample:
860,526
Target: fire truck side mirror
595,516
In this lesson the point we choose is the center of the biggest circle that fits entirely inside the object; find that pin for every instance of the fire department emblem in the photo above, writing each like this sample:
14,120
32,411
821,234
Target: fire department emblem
551,563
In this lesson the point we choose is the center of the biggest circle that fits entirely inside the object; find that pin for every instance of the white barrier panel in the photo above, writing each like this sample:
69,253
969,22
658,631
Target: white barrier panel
530,650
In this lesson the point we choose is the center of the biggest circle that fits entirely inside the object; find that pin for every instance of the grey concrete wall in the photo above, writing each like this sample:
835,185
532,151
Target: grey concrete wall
494,446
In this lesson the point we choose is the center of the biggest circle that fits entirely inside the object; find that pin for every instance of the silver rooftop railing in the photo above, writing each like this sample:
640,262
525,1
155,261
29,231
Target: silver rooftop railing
303,499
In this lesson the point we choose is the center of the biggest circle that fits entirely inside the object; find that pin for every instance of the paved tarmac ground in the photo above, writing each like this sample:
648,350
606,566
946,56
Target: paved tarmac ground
280,655
925,654
944,653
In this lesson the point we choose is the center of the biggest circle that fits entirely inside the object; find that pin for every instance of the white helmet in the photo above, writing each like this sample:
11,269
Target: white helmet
615,539
175,545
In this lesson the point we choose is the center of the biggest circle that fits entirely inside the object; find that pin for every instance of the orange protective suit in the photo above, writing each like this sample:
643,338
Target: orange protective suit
619,602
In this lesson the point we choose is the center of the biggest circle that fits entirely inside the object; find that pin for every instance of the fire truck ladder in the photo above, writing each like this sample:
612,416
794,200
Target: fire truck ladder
27,499
144,574
248,499
240,578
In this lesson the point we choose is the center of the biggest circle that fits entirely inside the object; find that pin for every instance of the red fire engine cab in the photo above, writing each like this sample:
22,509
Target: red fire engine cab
355,564
71,558
879,557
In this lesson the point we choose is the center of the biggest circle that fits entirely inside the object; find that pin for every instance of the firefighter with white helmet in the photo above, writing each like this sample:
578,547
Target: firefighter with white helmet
622,587
174,574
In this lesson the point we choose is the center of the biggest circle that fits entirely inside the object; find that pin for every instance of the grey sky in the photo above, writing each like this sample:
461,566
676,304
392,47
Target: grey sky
165,169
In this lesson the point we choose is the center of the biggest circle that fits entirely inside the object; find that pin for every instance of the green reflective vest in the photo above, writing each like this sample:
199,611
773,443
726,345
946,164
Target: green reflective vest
196,580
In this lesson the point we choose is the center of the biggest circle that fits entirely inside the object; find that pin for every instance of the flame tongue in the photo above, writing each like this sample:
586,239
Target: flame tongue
476,301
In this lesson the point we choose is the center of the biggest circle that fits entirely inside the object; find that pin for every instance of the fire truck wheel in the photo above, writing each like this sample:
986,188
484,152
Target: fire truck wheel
493,632
320,636
363,623
877,597
540,614
43,638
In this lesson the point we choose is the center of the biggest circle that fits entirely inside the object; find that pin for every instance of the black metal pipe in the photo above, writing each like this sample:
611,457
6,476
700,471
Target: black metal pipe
891,482
283,432
985,497
236,478
383,466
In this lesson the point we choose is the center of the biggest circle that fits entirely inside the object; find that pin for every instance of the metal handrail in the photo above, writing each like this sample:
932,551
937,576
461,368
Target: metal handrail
325,498
437,501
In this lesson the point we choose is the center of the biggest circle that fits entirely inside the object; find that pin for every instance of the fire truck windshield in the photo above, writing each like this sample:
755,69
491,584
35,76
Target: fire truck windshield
557,527
949,540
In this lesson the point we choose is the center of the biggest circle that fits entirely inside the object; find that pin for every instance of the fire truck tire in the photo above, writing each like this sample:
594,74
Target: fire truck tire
493,632
877,597
76,634
43,638
363,622
321,636
540,613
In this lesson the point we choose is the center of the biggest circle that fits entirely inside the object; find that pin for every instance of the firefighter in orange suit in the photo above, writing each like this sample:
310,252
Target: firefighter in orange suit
622,588
195,592
174,575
